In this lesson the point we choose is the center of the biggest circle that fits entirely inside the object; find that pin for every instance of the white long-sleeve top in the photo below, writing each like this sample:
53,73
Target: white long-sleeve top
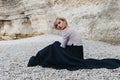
71,36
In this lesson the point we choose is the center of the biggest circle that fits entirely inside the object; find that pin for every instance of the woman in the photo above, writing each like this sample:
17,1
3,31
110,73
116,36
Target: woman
67,54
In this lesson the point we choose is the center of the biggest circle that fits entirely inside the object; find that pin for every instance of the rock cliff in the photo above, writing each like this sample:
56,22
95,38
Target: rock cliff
22,18
95,19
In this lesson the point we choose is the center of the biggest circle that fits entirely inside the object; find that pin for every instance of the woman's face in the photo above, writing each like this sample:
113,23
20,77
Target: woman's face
61,25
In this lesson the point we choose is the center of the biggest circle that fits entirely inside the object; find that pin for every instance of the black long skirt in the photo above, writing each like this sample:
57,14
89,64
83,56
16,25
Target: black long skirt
70,58
57,57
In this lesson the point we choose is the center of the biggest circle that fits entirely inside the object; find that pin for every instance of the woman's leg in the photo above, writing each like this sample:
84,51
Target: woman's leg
75,51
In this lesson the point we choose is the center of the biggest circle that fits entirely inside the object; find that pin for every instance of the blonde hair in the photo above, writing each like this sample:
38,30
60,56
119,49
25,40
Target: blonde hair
59,18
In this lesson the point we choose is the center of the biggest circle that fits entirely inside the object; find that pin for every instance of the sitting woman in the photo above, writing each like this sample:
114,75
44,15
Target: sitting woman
67,54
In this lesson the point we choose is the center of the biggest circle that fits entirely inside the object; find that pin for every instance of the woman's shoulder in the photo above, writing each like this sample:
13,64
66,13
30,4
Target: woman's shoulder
66,31
70,29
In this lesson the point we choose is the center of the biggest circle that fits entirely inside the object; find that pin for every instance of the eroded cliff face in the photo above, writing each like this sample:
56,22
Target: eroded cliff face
95,19
22,18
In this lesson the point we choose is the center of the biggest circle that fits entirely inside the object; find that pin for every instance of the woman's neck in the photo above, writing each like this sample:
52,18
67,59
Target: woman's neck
65,28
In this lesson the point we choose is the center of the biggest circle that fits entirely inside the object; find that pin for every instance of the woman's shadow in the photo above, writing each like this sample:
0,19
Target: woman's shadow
109,63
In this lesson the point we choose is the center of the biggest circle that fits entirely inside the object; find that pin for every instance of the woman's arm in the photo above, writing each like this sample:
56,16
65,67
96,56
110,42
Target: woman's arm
65,39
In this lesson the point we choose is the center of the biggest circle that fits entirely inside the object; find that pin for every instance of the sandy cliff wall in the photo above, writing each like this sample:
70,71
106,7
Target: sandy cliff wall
22,18
95,19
